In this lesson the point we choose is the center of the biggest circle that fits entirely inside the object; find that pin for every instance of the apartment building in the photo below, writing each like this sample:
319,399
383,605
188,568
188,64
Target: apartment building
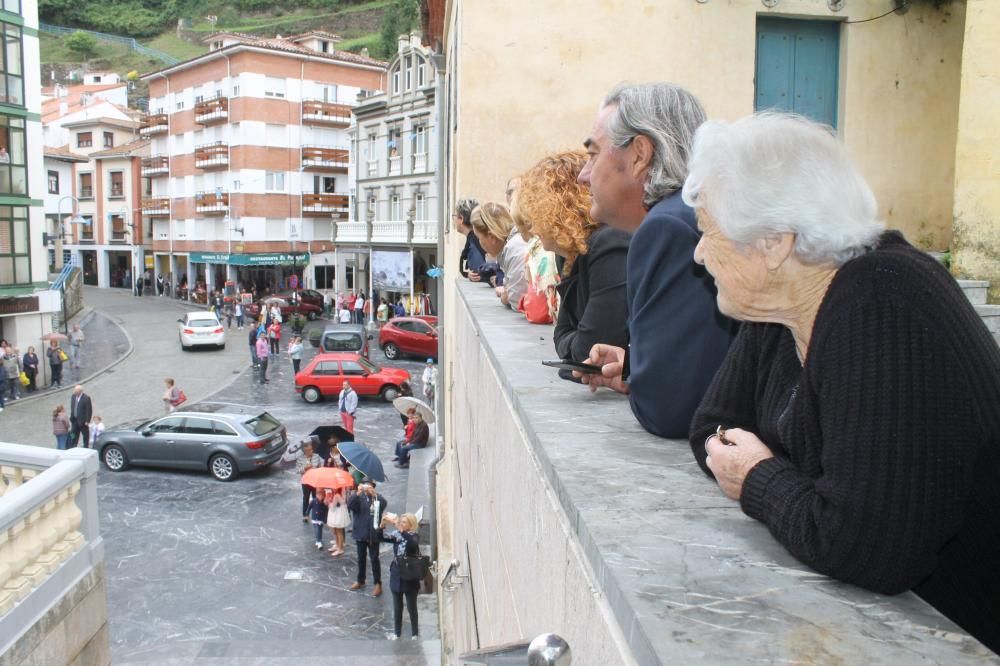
26,303
106,191
249,159
394,223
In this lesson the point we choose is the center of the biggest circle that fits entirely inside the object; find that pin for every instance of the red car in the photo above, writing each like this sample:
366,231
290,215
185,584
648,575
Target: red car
325,375
310,296
408,335
309,310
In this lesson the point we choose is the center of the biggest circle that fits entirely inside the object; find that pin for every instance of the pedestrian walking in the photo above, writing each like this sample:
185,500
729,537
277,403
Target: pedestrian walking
338,520
348,403
406,543
262,355
138,286
12,373
228,310
30,366
96,429
367,508
80,412
171,396
60,427
56,357
295,348
238,311
76,340
308,459
318,513
159,284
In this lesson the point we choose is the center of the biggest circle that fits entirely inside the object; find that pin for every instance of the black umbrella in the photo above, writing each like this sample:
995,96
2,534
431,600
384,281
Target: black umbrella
363,459
323,433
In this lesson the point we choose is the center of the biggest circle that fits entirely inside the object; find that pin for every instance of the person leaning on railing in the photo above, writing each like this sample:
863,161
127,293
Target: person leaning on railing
857,414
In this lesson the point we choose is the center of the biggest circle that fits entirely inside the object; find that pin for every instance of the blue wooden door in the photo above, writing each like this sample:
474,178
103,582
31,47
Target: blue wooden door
797,67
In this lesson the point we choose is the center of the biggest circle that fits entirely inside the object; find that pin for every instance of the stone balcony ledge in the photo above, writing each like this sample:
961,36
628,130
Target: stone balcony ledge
686,575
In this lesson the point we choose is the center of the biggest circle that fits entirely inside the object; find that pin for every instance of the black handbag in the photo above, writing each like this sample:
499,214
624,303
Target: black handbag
413,567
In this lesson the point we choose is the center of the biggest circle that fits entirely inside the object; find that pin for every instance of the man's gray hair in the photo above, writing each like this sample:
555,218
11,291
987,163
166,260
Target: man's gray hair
464,209
773,173
667,115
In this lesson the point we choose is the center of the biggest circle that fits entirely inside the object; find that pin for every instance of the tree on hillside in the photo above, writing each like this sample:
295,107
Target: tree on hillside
399,17
82,44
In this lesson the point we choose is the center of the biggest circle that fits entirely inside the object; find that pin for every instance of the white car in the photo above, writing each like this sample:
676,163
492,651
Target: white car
199,329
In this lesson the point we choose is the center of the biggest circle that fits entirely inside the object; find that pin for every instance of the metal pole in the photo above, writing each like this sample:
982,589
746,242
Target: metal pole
371,285
412,309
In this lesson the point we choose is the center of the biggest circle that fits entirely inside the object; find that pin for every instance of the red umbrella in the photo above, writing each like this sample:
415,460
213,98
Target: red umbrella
327,477
54,335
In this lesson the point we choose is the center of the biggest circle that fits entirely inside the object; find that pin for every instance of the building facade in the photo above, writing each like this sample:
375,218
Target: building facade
60,174
26,303
249,160
394,209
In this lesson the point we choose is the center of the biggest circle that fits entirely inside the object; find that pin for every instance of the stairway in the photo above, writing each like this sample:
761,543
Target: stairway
976,291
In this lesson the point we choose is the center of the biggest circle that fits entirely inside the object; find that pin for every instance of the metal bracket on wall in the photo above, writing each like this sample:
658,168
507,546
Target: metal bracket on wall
452,579
836,5
770,4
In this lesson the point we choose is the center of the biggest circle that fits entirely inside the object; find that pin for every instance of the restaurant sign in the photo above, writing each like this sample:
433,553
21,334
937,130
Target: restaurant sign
261,259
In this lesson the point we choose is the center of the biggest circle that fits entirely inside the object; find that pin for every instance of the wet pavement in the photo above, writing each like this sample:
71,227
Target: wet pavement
205,572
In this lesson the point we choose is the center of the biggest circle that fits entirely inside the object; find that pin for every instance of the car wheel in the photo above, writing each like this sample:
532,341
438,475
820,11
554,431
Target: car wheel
114,458
311,316
311,394
390,393
222,467
391,351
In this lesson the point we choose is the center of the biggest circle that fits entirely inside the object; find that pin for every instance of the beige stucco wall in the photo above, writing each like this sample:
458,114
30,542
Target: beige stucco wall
977,169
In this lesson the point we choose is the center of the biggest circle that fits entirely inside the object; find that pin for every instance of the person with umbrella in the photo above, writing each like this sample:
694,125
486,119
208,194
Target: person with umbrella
367,507
318,512
338,520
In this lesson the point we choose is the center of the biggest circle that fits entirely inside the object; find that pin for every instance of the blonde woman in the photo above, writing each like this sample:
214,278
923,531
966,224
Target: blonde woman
593,306
494,228
406,542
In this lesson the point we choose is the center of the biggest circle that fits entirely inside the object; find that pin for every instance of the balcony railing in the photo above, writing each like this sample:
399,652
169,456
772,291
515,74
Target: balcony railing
49,521
331,114
119,236
394,165
87,192
155,165
373,168
156,206
117,193
323,158
324,205
154,123
211,203
420,162
395,232
212,110
211,155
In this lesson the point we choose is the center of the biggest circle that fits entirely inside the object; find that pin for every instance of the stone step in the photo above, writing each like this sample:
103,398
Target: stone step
990,315
975,290
280,652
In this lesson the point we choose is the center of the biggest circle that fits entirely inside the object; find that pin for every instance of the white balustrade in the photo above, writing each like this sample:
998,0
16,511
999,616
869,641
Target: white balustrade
389,231
425,231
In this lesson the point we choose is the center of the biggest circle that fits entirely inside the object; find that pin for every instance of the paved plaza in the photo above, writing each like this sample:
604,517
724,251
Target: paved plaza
205,572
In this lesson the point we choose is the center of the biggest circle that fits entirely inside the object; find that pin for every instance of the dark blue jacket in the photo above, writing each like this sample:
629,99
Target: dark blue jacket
362,526
318,510
677,337
404,543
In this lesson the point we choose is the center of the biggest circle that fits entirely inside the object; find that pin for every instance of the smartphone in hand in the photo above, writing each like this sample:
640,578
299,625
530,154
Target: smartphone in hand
576,366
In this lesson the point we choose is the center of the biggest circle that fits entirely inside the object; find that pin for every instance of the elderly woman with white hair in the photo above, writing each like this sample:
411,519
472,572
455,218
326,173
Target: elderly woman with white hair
857,414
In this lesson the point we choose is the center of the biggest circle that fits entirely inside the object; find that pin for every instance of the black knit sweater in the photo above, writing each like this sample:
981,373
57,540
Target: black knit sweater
886,440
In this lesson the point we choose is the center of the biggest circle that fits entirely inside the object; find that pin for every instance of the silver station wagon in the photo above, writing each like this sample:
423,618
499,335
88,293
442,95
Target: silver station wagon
225,439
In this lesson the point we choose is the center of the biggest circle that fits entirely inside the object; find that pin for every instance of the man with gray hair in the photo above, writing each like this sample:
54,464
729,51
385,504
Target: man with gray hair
638,152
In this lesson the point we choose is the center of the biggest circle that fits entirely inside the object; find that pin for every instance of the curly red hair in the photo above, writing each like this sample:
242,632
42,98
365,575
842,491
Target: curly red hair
551,203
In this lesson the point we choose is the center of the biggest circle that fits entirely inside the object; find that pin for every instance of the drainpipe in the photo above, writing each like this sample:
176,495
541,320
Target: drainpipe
438,61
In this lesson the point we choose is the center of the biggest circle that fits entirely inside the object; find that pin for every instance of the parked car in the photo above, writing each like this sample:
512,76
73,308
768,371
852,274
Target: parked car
345,338
408,335
226,439
200,329
310,296
326,373
287,309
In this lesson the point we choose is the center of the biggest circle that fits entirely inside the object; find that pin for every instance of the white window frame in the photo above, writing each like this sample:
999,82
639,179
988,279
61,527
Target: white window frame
394,210
274,181
272,82
421,73
395,81
420,145
420,206
409,72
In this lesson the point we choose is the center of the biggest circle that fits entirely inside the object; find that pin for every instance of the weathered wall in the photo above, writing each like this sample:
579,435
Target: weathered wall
976,249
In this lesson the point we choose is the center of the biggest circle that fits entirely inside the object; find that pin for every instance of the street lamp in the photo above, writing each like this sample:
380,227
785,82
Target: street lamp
75,218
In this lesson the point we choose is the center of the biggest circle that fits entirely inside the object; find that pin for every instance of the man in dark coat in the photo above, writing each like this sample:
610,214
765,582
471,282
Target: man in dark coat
367,509
80,413
638,152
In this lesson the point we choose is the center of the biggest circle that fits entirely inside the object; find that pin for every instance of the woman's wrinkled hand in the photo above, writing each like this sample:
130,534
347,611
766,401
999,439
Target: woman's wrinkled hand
731,464
612,361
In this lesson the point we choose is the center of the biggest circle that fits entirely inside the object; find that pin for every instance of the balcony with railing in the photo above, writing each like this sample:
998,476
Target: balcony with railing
87,234
153,124
419,162
324,158
51,555
119,237
389,232
325,205
395,165
212,155
329,114
212,110
352,232
211,203
86,192
155,165
156,206
372,168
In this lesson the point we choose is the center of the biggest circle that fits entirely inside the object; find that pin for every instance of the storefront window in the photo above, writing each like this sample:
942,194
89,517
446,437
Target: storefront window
13,175
15,267
12,77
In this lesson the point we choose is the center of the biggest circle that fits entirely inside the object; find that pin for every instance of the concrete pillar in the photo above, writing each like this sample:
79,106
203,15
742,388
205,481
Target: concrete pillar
192,276
976,240
102,268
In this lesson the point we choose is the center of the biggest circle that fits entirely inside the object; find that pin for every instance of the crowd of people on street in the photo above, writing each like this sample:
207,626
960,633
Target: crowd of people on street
734,281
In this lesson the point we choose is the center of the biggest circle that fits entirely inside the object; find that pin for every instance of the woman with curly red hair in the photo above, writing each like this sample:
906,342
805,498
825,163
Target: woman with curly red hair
593,306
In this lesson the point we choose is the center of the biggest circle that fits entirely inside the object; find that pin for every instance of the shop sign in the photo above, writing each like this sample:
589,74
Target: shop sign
262,259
